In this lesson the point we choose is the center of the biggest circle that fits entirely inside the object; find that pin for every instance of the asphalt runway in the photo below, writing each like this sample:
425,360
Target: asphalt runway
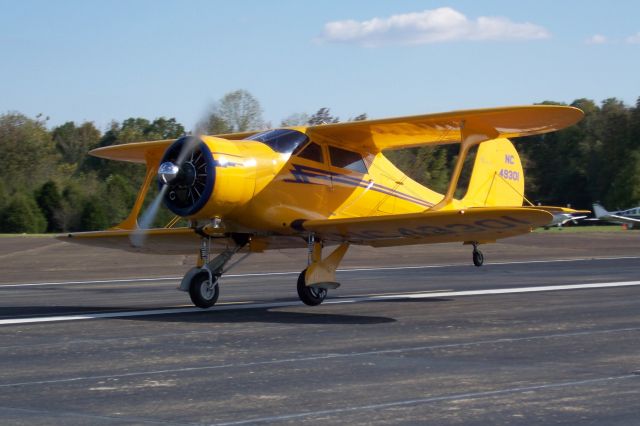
546,332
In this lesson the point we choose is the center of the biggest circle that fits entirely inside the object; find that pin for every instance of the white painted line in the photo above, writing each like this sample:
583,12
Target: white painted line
356,299
130,280
266,274
515,262
513,290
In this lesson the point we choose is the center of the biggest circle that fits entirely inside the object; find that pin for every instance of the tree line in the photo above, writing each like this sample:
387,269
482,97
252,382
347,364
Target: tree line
48,183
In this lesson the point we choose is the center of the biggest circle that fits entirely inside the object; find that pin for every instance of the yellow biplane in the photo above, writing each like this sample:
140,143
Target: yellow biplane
317,186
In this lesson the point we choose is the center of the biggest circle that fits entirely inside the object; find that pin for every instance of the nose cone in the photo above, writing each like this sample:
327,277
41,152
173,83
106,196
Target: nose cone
168,172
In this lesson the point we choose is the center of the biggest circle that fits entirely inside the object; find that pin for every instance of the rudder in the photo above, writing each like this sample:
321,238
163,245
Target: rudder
497,178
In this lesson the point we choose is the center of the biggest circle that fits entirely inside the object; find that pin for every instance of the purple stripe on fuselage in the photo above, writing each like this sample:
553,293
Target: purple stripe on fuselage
303,173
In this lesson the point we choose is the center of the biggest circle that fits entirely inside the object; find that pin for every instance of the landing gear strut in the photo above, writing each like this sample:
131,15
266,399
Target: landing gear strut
311,296
202,282
320,275
478,257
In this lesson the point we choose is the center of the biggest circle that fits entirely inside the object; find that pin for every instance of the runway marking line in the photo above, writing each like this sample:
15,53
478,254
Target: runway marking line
356,299
265,274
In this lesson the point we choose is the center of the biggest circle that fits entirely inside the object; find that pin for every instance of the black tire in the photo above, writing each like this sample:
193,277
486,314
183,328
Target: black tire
201,295
312,296
478,258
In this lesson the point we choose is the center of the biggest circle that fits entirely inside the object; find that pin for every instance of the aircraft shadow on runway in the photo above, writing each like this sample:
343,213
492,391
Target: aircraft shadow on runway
267,315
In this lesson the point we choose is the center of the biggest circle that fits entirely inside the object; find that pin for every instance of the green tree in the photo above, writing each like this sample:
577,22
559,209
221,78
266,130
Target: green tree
22,215
237,111
241,110
74,142
4,195
94,215
50,202
213,124
614,132
120,194
27,152
163,128
322,116
426,165
297,119
73,199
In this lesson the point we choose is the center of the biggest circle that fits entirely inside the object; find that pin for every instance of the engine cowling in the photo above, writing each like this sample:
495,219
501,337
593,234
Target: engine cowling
188,170
207,176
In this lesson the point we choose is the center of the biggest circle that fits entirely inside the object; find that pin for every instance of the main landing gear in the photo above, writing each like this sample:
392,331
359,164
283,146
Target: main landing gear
204,290
478,257
310,295
320,276
202,282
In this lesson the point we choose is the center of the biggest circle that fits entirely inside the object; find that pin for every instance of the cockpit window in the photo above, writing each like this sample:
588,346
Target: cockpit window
347,159
281,140
312,152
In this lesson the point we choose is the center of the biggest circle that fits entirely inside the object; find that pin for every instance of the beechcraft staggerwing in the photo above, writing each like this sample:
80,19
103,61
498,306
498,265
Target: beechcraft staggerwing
330,185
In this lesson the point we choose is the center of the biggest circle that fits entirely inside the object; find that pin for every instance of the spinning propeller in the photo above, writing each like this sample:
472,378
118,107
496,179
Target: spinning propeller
185,178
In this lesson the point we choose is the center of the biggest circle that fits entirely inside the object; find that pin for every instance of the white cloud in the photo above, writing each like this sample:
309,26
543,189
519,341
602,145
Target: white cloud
596,39
430,26
634,39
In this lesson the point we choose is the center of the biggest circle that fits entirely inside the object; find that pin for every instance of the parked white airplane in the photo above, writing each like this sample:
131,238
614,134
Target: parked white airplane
560,219
630,217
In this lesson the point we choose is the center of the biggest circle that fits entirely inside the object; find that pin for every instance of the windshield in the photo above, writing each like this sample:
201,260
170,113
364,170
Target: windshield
281,140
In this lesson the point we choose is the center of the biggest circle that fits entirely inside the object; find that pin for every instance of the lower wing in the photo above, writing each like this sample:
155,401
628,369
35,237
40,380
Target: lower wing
174,241
481,225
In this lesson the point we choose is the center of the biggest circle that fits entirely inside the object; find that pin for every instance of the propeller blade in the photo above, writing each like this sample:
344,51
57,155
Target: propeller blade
166,173
188,147
139,236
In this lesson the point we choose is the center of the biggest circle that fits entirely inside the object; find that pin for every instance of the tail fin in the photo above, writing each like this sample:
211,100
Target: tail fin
497,178
599,211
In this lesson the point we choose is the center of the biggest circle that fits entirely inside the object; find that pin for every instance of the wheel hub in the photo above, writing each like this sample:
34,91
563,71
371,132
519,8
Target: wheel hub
207,289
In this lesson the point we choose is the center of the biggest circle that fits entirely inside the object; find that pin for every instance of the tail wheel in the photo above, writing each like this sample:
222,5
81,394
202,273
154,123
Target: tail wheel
311,296
478,258
203,293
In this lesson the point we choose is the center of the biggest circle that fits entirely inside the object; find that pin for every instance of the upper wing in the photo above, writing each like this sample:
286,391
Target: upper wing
148,152
476,224
404,132
137,152
400,132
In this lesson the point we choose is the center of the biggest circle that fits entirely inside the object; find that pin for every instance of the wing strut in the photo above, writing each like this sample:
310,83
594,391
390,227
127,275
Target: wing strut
131,222
472,134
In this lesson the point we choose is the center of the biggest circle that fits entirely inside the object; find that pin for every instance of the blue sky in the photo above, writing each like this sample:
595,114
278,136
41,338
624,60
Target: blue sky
98,61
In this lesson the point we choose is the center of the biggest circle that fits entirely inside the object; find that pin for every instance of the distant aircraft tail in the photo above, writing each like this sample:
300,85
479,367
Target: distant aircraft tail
599,211
497,178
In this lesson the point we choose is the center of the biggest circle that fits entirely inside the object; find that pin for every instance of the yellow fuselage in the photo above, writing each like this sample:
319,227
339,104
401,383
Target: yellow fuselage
257,188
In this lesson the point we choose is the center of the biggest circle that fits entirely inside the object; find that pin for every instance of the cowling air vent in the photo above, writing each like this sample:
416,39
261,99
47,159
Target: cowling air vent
188,171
